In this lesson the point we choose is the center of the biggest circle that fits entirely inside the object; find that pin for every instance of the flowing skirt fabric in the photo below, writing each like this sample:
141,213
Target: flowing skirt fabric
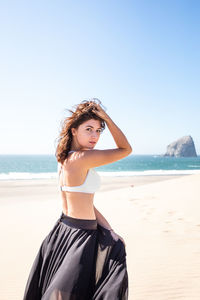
78,260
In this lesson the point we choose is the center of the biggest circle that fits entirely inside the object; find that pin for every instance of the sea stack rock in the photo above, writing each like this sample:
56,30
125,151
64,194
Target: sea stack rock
183,147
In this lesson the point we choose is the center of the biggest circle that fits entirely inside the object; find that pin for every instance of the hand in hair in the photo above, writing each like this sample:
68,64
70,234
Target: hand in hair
98,110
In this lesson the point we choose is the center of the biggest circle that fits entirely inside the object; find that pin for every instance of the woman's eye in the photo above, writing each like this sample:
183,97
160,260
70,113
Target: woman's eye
99,130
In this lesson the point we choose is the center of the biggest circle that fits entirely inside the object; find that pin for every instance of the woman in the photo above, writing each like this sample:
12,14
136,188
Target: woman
82,257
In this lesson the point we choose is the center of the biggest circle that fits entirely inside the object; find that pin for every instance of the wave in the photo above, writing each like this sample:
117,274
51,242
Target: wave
150,173
26,175
54,175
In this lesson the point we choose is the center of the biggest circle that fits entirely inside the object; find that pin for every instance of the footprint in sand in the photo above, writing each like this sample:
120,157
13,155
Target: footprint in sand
171,212
135,200
180,216
149,212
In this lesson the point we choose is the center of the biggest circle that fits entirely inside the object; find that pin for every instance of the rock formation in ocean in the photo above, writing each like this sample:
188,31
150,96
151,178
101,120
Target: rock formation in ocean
183,147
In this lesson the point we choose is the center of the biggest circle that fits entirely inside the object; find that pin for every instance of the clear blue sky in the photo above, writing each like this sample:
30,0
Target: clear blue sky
140,58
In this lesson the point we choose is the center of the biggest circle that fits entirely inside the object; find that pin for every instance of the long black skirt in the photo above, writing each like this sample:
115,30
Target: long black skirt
78,260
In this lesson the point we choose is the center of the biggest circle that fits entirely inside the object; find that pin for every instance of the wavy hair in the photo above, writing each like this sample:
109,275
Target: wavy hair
83,112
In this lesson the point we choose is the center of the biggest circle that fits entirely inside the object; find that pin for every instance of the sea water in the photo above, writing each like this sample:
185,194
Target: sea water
45,166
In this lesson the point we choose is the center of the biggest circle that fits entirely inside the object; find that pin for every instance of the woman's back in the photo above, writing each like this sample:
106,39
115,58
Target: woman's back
77,186
90,185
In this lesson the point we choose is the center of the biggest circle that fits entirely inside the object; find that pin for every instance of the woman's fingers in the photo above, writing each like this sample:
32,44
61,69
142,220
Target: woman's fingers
100,112
117,236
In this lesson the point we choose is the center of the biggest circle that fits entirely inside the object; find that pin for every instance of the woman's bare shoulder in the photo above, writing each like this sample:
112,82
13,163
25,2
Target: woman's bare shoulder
73,159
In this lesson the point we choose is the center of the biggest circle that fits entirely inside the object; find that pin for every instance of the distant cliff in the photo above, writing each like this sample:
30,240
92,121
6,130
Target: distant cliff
183,147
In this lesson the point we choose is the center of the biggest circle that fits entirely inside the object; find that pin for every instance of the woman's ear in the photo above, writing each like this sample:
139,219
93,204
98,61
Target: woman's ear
73,131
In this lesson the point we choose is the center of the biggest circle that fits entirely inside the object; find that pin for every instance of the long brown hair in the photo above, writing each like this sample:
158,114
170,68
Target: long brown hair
83,112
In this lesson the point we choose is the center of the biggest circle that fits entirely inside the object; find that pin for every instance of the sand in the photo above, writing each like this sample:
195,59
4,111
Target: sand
158,217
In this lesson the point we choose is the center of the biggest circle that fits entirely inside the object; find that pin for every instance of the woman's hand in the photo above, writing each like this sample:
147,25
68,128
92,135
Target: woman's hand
98,110
117,236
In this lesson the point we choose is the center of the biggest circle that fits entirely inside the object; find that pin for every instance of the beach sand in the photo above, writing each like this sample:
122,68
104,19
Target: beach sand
158,217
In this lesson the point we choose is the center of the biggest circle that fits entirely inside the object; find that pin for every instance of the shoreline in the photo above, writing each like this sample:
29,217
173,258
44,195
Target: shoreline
20,190
143,178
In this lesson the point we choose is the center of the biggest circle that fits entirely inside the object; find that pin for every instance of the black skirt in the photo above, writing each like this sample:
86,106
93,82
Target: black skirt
78,260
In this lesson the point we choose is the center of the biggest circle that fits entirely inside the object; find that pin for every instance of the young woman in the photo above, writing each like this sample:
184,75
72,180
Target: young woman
82,257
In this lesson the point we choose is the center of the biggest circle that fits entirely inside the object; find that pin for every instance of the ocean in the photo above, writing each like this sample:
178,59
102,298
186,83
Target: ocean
21,167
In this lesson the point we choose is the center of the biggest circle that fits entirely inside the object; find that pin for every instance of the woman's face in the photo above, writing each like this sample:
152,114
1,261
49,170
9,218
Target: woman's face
87,134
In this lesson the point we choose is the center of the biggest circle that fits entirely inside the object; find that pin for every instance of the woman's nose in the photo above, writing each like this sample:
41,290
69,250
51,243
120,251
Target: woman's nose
94,134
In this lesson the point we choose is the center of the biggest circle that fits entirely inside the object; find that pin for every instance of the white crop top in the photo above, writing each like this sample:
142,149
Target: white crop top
91,184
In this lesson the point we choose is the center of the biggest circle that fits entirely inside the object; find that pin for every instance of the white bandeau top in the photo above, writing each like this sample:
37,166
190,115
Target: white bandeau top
91,184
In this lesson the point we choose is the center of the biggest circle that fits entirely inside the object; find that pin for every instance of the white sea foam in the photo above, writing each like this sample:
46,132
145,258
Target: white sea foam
150,173
26,175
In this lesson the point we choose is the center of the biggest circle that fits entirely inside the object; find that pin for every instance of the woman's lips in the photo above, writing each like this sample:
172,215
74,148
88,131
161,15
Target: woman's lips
92,143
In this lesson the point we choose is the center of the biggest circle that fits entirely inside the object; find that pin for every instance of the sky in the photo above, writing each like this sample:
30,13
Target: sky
140,58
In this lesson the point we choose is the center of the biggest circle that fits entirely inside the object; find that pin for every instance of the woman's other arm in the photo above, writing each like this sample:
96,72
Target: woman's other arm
101,219
103,222
60,183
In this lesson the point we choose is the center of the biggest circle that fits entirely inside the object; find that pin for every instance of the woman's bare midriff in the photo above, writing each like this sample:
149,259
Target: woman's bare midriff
79,205
76,204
